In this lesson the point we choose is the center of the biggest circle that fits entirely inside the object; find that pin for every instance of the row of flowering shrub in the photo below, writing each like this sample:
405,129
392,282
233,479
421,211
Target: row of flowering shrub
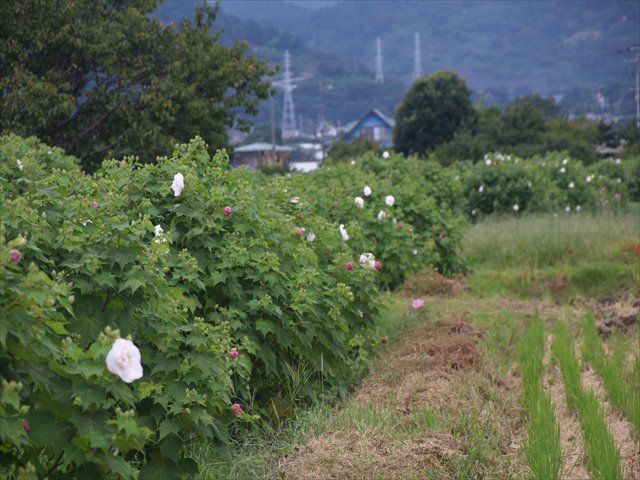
405,211
150,306
550,183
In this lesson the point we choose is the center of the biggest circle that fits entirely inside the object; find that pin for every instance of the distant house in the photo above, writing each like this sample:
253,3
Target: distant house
256,155
373,125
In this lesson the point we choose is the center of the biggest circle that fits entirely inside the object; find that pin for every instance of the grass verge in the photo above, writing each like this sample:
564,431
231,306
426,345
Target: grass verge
604,456
543,452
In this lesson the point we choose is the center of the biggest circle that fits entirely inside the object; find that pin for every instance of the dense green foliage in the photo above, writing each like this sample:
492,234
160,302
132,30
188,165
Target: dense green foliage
81,267
528,126
103,78
422,228
343,151
431,112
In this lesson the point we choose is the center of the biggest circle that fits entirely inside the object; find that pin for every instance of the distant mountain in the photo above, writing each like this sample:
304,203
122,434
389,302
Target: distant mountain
571,49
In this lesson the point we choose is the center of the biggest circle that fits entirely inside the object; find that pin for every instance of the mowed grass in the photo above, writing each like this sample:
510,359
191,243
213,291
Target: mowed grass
555,256
543,451
604,456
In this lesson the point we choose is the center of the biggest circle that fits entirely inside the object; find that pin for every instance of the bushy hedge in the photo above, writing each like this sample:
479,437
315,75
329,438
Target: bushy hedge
550,183
423,227
83,263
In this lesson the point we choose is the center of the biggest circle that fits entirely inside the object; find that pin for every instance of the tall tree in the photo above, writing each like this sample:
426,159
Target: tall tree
434,108
103,78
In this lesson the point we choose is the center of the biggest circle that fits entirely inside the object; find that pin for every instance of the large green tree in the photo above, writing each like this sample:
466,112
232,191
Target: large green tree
104,78
432,111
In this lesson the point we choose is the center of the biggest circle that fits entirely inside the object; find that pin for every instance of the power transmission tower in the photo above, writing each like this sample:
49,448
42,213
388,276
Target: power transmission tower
288,108
637,49
379,74
417,60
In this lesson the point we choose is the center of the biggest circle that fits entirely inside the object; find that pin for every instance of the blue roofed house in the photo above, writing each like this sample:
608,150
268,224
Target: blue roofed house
373,125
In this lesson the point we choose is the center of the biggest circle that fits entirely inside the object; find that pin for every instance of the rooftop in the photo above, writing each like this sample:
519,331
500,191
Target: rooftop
261,147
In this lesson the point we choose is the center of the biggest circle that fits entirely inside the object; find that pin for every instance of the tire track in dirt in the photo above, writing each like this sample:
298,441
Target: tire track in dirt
571,441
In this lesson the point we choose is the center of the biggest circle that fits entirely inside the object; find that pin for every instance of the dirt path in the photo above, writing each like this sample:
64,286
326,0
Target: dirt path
573,459
431,409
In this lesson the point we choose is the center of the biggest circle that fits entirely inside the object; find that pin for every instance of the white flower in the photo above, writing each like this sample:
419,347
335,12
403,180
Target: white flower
50,152
516,207
487,161
578,208
389,200
571,184
367,190
486,156
394,221
178,184
509,157
481,188
529,184
473,212
124,360
565,161
360,314
415,252
85,222
359,202
618,180
500,157
353,162
311,237
517,160
158,230
457,178
617,161
588,179
367,260
295,200
382,214
385,154
567,209
20,166
562,170
343,232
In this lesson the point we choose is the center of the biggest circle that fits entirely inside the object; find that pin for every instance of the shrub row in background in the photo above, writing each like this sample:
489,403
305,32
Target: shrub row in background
224,285
551,183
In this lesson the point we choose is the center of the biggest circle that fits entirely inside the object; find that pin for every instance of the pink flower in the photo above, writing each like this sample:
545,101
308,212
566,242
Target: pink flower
300,230
417,303
441,237
378,265
401,226
233,353
15,256
349,266
384,340
227,211
95,204
26,426
237,409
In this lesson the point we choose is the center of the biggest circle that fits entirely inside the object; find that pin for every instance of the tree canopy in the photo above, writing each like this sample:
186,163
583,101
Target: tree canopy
431,112
103,78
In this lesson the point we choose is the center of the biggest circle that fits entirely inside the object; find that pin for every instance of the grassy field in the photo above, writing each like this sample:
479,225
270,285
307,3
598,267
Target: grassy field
490,382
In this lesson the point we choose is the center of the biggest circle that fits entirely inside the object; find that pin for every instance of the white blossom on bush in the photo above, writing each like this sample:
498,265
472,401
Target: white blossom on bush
20,166
567,209
343,232
367,260
295,200
578,208
481,189
359,202
385,154
311,237
353,162
124,360
389,200
366,190
571,184
562,170
516,207
178,184
382,214
565,161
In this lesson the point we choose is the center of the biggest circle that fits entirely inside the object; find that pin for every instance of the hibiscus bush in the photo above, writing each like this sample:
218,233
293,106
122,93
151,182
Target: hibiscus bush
553,182
409,217
220,284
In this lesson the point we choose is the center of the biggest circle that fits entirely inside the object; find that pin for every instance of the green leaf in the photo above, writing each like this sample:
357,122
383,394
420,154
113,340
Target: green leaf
169,425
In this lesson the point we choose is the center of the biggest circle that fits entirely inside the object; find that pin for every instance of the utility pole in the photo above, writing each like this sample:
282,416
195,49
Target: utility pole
288,109
273,126
417,60
379,74
637,49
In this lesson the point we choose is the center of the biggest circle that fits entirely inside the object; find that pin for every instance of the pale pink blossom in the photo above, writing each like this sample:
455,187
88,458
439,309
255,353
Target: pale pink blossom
417,303
15,256
233,353
237,409
227,211
124,360
178,184
389,200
